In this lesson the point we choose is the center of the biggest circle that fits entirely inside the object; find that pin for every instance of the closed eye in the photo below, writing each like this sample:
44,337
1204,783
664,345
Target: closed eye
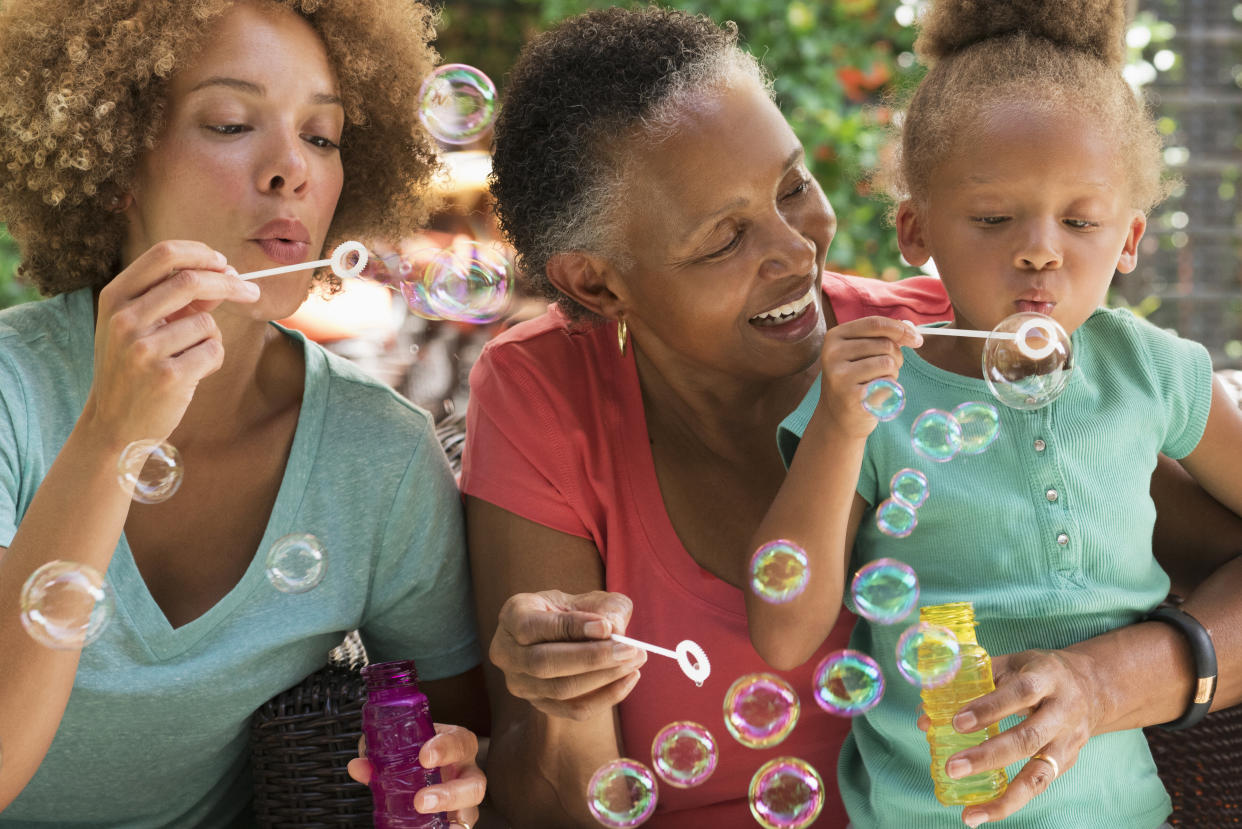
989,220
1081,224
227,129
800,188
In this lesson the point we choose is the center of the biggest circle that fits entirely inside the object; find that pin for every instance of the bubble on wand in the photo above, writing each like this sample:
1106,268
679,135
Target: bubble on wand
348,260
1027,361
689,655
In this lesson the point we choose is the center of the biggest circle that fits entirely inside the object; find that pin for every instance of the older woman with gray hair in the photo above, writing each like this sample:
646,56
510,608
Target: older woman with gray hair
621,447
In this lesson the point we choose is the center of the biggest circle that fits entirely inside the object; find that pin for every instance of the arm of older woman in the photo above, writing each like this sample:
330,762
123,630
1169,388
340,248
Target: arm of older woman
555,677
1105,683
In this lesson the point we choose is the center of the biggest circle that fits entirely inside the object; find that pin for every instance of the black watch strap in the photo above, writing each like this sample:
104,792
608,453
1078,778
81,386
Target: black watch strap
1205,663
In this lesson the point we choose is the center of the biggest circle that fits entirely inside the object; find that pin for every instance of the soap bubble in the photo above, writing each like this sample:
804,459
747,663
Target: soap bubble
885,590
980,424
65,605
457,103
895,518
778,571
936,435
474,288
389,269
684,754
884,398
848,683
296,563
786,793
909,486
153,468
761,709
928,655
622,793
1032,369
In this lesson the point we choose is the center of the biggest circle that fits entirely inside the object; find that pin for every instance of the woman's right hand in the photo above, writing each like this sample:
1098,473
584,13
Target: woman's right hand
854,354
555,651
155,338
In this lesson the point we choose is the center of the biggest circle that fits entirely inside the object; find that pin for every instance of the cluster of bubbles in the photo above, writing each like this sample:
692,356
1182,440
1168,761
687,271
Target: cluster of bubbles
967,430
457,103
466,283
897,515
779,571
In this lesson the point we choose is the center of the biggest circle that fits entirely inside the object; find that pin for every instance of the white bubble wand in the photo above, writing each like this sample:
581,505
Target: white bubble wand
1022,336
690,656
339,262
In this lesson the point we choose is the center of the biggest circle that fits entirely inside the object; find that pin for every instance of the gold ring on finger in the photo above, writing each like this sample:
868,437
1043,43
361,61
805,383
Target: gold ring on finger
1056,767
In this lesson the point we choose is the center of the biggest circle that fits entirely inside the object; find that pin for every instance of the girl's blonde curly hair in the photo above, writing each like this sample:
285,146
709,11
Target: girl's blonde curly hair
82,96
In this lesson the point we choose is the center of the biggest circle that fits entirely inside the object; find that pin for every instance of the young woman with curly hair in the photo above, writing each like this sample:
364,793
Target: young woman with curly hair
152,151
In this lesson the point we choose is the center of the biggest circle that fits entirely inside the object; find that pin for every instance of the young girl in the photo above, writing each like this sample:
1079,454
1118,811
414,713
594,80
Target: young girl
1026,170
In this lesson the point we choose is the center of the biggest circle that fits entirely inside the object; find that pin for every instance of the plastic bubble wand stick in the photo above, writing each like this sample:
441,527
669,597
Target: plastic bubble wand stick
1022,336
338,262
690,656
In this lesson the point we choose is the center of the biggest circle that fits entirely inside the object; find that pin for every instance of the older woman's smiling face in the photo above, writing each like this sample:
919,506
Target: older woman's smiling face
728,234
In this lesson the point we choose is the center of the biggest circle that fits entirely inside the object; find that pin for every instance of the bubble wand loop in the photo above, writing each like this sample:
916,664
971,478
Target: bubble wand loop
338,262
1043,330
690,656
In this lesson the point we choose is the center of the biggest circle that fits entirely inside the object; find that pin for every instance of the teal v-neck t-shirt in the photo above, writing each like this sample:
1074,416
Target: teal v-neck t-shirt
156,729
1048,533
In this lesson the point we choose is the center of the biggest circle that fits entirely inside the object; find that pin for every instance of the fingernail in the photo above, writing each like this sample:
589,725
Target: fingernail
431,802
622,653
597,630
433,760
965,722
975,820
957,768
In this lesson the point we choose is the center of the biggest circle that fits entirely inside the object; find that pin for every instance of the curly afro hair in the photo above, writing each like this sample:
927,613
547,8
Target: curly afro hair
82,95
583,97
1063,55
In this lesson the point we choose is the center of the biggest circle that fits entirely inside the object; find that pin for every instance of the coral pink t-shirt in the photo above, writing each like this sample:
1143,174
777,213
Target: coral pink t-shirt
556,433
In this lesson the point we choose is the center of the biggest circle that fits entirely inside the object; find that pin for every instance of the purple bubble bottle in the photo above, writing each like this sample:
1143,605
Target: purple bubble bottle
396,721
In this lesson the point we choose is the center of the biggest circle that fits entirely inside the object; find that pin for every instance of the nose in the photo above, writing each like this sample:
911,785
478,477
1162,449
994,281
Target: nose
284,168
1039,251
792,249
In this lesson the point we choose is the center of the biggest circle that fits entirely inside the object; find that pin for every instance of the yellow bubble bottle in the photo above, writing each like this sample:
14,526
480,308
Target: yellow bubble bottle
973,680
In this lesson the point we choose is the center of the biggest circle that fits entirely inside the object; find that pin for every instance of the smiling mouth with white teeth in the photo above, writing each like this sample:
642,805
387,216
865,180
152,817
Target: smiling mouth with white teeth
784,313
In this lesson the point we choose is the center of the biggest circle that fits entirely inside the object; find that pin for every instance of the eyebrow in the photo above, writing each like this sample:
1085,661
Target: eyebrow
250,88
792,159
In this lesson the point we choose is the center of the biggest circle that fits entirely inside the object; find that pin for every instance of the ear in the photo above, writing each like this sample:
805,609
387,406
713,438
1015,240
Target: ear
911,234
588,280
1128,260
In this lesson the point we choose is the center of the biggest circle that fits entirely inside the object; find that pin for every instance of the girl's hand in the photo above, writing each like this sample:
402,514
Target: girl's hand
462,783
555,651
155,338
1058,695
854,354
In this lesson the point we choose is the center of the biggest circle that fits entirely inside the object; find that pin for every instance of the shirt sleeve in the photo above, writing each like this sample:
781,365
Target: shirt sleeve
515,452
420,606
1181,374
12,434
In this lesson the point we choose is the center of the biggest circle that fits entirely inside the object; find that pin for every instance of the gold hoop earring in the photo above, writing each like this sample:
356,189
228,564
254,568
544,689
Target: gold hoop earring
623,332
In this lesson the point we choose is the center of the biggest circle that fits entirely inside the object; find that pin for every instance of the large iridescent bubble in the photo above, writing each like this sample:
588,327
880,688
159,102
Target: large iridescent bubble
779,571
1028,360
761,709
457,103
884,398
786,793
848,683
928,655
473,286
65,605
684,754
936,435
885,590
296,563
622,793
152,469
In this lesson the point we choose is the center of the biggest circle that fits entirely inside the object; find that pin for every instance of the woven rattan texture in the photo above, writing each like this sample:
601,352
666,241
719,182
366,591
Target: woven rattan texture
1202,769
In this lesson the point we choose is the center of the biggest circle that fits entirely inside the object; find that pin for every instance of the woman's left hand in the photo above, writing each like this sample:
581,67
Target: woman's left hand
462,783
1062,704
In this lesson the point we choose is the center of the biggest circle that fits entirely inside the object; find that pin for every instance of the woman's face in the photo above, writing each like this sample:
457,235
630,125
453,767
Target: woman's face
729,234
248,161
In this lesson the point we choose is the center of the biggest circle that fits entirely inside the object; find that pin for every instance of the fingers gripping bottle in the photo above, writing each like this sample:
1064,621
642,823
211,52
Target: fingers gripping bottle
973,680
396,721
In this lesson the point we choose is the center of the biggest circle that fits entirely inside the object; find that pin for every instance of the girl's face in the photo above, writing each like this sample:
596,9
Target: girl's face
729,233
1030,213
248,161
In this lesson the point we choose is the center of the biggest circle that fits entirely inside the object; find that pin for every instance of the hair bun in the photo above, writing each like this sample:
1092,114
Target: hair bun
1094,26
